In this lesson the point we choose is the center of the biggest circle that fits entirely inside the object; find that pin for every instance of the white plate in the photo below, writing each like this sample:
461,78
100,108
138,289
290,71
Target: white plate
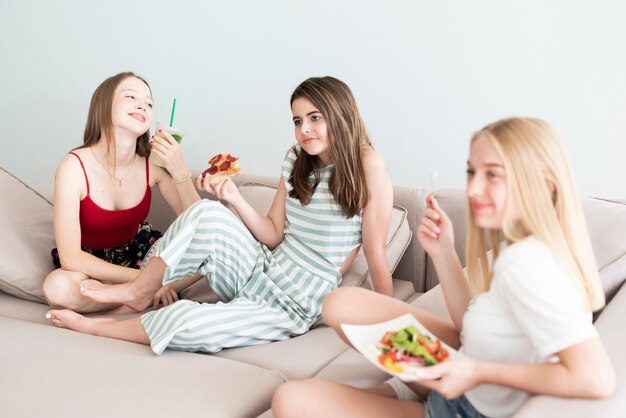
365,337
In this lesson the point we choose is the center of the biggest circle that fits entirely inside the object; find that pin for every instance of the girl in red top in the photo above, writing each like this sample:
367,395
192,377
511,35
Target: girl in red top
102,194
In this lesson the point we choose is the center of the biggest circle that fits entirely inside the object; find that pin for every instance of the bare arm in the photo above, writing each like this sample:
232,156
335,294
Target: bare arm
584,371
179,195
454,286
267,229
376,220
69,184
436,236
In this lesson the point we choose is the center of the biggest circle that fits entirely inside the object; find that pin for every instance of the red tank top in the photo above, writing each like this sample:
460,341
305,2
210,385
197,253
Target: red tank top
104,228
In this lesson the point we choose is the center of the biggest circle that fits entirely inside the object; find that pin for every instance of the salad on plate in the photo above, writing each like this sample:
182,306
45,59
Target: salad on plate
408,349
401,346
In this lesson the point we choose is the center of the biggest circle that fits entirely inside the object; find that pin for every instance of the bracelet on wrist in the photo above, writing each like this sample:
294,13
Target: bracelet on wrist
182,179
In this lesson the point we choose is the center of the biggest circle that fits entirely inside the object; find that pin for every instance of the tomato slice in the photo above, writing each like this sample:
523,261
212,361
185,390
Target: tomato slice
383,357
389,361
387,338
433,347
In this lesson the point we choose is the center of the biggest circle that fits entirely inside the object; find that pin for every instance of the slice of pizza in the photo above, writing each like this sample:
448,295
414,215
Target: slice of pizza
222,167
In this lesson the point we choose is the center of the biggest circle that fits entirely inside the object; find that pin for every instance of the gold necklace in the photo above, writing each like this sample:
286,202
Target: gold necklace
118,180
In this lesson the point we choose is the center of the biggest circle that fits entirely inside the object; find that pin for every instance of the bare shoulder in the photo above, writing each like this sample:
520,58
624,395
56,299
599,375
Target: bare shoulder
70,165
372,159
69,180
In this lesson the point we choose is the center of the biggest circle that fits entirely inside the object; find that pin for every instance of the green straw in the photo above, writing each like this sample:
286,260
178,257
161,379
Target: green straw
173,109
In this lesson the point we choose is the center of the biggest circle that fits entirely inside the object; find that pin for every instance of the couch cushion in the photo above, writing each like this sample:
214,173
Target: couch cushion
434,302
351,368
606,222
300,357
27,238
25,310
403,289
59,373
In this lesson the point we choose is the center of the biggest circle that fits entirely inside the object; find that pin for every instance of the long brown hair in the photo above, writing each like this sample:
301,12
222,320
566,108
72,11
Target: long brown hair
99,120
347,133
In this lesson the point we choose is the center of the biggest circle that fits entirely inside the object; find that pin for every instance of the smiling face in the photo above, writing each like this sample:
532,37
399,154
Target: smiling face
311,129
487,185
132,106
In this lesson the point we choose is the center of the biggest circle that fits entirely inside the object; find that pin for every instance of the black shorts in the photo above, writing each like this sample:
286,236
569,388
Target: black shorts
127,255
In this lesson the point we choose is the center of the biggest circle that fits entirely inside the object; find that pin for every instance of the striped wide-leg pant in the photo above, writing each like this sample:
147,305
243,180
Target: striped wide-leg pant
264,300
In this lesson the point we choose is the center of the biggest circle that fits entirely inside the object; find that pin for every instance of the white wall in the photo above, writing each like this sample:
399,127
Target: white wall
426,75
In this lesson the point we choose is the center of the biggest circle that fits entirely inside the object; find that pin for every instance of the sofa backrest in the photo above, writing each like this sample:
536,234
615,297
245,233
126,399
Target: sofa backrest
606,221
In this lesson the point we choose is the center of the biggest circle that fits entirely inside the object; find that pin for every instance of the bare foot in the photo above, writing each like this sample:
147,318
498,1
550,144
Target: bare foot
136,294
64,318
128,294
120,310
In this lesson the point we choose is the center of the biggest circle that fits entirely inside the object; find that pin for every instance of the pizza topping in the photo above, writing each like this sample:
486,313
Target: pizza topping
215,159
222,166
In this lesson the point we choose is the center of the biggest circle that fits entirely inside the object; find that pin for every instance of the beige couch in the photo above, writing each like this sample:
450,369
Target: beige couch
50,372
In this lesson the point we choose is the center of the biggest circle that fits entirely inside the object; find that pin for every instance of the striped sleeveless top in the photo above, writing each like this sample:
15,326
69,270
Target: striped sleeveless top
318,234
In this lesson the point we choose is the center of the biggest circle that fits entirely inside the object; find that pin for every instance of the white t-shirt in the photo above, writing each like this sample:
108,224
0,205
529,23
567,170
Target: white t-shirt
532,311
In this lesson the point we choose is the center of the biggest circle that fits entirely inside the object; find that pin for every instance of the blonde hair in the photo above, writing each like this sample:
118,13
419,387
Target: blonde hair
347,184
540,180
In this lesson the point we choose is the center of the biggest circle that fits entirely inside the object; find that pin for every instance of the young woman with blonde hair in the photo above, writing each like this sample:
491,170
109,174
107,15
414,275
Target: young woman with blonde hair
271,272
524,319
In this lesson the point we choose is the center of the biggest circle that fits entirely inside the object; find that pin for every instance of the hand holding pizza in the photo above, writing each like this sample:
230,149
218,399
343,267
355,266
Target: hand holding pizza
223,166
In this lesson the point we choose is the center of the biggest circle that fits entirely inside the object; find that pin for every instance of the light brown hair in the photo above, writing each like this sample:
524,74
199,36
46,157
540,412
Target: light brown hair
346,130
100,122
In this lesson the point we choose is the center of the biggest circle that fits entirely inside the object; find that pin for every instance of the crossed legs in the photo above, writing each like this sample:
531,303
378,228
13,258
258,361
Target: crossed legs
62,290
136,294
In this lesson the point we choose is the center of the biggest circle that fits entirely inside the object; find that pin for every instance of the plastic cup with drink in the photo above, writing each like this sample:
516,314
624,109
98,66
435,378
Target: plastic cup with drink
176,133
